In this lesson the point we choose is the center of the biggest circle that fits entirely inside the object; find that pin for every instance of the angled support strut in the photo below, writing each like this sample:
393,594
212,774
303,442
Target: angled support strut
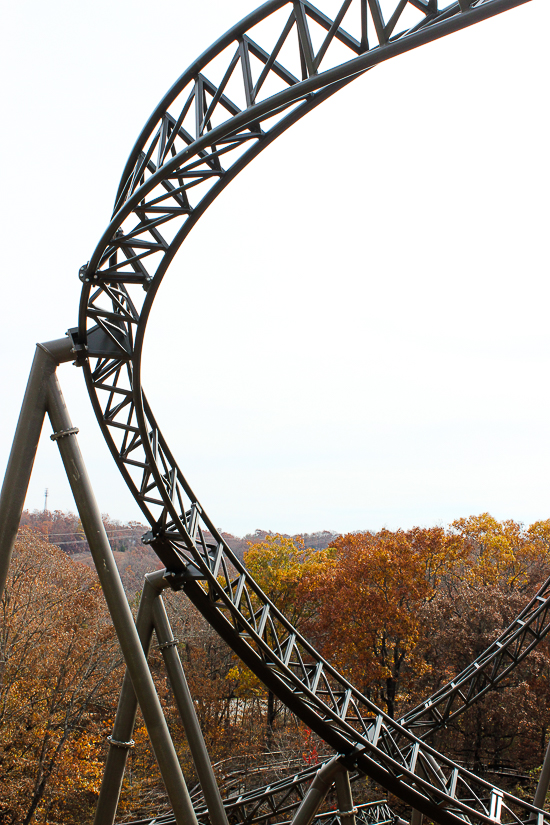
43,395
25,443
152,617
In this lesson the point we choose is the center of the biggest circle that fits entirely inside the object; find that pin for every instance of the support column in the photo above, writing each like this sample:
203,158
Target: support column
65,435
317,792
184,702
25,443
346,809
123,728
152,614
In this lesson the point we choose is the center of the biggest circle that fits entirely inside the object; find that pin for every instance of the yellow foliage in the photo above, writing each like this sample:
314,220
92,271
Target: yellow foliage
286,571
246,684
501,551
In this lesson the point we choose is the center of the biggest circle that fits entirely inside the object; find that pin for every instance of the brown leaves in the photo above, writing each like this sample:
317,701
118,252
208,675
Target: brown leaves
399,612
288,573
370,604
59,662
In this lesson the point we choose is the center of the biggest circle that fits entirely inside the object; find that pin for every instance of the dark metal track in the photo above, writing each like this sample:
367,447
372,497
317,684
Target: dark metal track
224,110
493,665
276,803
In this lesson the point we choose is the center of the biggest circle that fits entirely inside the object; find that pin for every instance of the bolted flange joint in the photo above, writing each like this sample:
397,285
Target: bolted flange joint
64,433
84,274
117,744
166,645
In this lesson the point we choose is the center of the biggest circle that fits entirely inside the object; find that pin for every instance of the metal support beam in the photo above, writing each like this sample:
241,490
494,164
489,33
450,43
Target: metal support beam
186,707
163,747
152,615
417,818
346,809
317,792
123,728
25,444
43,394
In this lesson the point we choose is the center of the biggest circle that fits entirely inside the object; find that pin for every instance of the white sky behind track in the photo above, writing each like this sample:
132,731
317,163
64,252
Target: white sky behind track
359,332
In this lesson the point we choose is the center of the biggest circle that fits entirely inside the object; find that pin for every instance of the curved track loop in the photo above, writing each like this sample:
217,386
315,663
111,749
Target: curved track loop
256,81
493,665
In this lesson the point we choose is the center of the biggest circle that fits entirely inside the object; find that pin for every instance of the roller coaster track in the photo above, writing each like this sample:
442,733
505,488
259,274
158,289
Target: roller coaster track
277,803
480,676
255,82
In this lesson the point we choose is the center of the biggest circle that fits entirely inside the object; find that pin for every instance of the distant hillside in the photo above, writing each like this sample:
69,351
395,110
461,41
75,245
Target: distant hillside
133,558
318,540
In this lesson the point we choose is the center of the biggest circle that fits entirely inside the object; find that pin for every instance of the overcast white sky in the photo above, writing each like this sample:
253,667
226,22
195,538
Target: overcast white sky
368,337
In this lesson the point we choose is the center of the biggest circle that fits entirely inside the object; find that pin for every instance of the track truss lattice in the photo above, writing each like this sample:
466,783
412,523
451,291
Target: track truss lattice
261,77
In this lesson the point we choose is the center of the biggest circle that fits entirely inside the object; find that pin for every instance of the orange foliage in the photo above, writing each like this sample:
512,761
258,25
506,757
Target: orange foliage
370,605
59,668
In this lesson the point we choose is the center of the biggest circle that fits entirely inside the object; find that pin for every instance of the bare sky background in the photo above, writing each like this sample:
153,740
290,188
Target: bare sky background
356,334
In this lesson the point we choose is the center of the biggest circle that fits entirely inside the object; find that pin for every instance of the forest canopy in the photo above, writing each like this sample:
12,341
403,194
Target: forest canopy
398,612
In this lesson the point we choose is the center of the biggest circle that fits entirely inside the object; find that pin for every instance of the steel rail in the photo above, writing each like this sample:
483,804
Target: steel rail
485,672
263,803
493,665
209,126
368,813
279,800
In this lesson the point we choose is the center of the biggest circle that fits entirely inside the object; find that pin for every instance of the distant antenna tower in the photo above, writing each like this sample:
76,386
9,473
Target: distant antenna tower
45,499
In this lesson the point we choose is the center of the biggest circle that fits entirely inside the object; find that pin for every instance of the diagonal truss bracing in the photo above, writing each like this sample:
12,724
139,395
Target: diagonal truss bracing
276,803
247,89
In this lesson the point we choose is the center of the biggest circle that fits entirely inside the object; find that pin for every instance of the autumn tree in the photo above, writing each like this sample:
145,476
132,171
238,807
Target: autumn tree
398,612
285,569
64,529
370,606
502,566
59,676
57,527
